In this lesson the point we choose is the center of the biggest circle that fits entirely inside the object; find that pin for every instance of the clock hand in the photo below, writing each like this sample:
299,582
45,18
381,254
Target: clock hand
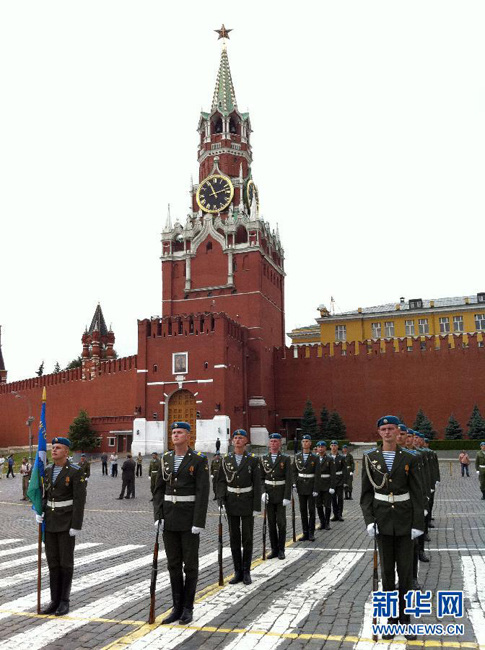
212,189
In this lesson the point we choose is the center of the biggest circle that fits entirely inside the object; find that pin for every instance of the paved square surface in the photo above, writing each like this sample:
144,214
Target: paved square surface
319,596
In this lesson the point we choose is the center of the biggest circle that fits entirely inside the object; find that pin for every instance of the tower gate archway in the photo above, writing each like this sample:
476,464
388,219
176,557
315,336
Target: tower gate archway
182,407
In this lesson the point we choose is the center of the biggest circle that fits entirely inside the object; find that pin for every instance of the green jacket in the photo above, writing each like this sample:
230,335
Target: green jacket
191,480
306,475
326,475
86,468
233,477
392,518
69,486
280,472
480,461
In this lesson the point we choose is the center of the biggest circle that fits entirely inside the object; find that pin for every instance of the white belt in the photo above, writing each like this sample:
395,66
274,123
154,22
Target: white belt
392,498
175,497
339,472
59,504
239,490
273,483
324,475
306,475
481,466
154,471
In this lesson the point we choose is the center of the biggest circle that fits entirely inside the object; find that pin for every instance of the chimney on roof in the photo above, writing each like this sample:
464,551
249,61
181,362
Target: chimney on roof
401,300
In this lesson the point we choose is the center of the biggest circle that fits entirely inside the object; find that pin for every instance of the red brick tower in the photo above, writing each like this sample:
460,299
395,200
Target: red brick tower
98,344
3,372
225,257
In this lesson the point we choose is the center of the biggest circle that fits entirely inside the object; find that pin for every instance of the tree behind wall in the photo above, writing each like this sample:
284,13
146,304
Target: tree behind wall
309,420
476,425
81,434
324,420
423,424
453,430
336,427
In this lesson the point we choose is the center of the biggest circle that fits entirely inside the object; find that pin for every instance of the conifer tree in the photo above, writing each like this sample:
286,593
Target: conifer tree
40,371
309,420
81,434
324,420
423,424
336,427
453,430
476,425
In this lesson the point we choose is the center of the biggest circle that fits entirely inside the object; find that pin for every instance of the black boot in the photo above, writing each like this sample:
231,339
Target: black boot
327,519
423,557
272,555
247,557
63,607
177,585
190,587
55,586
350,495
237,561
187,616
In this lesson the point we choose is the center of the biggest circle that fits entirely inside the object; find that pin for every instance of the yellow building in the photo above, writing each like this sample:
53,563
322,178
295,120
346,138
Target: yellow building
411,319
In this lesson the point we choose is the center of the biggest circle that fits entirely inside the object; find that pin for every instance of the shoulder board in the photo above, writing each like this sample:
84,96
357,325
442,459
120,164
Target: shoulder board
370,451
165,454
75,465
252,455
199,453
408,451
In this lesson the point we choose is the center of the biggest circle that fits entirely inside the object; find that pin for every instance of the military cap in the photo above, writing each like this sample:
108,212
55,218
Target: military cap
240,432
83,455
482,443
388,419
426,439
334,442
275,436
61,441
403,427
180,425
321,443
345,446
307,436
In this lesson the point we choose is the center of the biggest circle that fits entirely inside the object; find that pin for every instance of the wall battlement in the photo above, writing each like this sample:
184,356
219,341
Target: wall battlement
198,324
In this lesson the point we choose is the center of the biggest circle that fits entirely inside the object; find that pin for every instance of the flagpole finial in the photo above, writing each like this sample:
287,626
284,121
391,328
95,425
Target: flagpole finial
44,395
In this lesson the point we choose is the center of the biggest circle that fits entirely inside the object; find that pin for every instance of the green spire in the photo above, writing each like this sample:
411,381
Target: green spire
224,98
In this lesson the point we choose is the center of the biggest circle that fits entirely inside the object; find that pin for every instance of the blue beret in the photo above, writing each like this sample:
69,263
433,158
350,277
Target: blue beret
307,436
426,439
334,442
180,425
388,419
321,443
482,443
345,446
403,427
61,441
275,436
240,432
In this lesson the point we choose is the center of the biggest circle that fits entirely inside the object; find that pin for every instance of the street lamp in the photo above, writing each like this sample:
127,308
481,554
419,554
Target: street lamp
29,421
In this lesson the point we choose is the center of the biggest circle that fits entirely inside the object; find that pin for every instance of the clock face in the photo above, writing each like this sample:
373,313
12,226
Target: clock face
215,193
252,190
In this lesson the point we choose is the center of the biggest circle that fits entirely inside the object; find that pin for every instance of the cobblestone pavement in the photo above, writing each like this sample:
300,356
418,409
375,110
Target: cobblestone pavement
319,596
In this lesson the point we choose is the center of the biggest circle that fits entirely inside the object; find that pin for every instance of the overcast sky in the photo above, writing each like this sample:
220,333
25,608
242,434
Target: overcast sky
368,144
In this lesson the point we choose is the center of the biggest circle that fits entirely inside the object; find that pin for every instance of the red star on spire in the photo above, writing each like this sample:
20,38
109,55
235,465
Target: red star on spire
223,32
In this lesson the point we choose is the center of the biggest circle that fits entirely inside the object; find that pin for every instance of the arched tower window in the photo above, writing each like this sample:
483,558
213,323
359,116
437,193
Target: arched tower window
218,125
208,247
241,235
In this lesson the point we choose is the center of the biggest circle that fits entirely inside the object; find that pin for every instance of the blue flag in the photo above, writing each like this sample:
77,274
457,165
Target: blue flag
36,484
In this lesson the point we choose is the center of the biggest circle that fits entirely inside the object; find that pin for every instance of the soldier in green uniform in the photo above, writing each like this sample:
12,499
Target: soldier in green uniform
153,470
340,470
348,472
392,505
428,483
63,508
305,481
180,502
239,492
435,469
276,494
324,486
85,466
480,467
215,467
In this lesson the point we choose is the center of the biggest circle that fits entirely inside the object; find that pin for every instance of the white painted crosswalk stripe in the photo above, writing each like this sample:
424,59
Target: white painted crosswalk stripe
473,567
11,564
4,542
25,603
17,549
43,635
211,607
87,559
294,605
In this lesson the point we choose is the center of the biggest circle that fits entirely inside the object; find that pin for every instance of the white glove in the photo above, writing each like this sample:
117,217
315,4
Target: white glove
314,494
39,518
256,513
351,473
265,497
478,471
212,475
331,491
371,531
437,482
286,502
73,532
416,533
432,490
162,523
425,513
196,530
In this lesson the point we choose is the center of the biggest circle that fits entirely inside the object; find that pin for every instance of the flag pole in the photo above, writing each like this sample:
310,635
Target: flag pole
38,489
39,566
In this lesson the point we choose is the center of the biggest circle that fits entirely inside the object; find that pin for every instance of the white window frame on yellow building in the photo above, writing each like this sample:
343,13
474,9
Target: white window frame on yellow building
423,326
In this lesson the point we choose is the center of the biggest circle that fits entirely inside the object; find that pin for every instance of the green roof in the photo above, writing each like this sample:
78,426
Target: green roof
224,99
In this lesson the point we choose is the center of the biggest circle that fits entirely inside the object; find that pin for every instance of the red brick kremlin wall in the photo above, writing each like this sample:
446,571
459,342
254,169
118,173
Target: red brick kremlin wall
363,387
111,393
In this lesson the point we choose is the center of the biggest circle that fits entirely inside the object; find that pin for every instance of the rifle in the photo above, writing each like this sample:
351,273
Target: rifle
219,550
375,577
293,519
153,582
264,528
